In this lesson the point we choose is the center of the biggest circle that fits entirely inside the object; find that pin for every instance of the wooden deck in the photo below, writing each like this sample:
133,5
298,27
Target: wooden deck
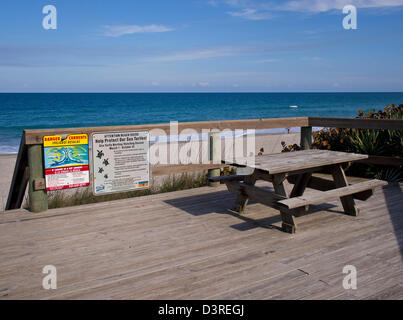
186,245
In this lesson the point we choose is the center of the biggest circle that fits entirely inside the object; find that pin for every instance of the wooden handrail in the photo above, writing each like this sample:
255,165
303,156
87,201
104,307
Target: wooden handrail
384,161
356,123
35,136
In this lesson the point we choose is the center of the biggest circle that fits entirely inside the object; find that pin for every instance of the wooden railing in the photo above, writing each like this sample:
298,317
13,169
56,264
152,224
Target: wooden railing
357,123
36,136
29,168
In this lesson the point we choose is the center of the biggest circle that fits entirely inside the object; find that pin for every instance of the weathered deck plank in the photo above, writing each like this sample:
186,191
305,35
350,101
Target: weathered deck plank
186,244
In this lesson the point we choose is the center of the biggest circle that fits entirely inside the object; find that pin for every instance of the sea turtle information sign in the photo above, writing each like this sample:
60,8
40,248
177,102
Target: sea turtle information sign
120,161
66,161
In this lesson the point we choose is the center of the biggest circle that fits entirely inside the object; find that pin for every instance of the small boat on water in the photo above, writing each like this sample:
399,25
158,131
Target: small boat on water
293,106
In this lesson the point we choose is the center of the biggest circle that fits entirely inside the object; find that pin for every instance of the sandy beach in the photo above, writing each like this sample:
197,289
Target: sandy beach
7,163
271,143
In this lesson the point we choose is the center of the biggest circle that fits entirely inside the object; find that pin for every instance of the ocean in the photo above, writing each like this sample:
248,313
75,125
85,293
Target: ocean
57,110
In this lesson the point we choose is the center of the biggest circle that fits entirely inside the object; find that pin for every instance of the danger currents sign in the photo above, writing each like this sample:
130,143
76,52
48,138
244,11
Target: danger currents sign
66,161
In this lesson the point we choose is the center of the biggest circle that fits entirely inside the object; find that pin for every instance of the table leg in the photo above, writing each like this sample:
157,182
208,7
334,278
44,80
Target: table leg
299,189
300,185
289,225
241,200
340,181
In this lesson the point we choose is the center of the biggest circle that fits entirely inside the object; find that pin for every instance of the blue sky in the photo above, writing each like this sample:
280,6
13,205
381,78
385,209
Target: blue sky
201,46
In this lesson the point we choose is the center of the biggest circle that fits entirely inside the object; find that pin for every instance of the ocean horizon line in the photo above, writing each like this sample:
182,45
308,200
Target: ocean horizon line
198,92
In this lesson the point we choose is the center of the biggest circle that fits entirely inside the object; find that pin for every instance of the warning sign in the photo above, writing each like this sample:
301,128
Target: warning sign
66,161
120,161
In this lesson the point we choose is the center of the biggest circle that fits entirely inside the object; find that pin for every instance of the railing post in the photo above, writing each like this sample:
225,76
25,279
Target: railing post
306,138
20,178
38,199
214,144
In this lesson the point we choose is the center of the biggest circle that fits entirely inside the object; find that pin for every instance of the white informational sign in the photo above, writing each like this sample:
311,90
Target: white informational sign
120,161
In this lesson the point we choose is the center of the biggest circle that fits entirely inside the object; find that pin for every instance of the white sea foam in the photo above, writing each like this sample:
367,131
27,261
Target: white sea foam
8,149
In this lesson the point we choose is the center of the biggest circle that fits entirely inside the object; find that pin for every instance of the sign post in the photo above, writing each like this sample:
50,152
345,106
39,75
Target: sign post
38,199
120,161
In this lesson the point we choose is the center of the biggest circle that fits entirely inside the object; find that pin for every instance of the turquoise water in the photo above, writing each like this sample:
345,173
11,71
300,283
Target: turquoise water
56,110
60,157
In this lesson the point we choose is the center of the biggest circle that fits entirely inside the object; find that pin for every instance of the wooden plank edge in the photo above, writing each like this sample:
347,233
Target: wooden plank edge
381,160
322,196
20,178
356,123
35,136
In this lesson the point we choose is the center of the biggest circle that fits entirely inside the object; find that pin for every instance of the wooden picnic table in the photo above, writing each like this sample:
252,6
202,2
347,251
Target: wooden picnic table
297,167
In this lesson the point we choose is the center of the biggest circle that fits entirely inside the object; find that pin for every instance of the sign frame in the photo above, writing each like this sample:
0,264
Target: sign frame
72,163
93,186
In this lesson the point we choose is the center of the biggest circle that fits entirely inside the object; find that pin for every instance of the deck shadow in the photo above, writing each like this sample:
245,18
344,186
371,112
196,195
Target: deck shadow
269,222
395,210
220,202
214,202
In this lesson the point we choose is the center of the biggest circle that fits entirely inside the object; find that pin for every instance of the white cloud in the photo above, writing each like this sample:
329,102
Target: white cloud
251,14
327,5
117,31
213,3
260,10
199,54
266,61
203,84
314,59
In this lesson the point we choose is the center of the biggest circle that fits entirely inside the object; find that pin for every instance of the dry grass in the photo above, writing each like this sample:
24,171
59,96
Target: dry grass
185,181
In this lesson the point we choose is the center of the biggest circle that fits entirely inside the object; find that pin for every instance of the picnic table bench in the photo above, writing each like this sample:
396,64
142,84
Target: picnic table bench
297,167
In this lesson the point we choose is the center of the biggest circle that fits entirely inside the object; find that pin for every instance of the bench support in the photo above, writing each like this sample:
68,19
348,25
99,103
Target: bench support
299,189
242,199
321,184
340,181
289,225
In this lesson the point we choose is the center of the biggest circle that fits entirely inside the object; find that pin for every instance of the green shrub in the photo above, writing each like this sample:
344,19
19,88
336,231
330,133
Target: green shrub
388,143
